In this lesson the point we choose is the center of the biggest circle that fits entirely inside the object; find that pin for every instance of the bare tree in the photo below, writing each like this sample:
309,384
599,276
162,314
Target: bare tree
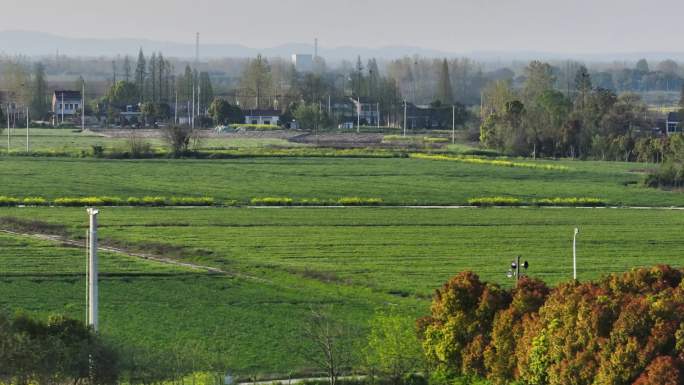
178,139
137,145
330,345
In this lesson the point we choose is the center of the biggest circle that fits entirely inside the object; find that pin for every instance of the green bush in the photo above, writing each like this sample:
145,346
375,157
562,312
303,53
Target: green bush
356,201
8,201
35,201
489,162
272,201
495,201
190,201
314,202
88,201
550,202
570,202
153,201
669,174
132,201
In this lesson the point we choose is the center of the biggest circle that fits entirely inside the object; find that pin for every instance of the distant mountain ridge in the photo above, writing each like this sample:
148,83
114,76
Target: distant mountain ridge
44,44
37,44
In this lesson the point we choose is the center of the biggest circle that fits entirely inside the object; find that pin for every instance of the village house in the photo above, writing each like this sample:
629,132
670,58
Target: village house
262,117
673,123
66,104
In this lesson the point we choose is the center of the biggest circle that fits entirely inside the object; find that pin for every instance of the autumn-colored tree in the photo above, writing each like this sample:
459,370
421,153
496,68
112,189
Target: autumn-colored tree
624,329
455,335
663,370
499,357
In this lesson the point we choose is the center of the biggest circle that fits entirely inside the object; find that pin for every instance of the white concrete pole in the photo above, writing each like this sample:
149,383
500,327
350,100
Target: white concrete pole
83,106
92,270
27,129
8,128
574,254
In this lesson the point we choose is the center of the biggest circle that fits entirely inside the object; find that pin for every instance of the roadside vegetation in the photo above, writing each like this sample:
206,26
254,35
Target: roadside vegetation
622,329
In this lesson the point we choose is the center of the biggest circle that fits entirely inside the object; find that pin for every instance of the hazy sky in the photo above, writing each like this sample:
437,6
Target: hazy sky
572,26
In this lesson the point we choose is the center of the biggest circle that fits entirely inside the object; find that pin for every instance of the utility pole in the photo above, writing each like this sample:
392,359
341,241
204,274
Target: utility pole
192,120
62,107
27,130
514,271
8,128
404,117
378,109
92,270
197,39
83,106
358,115
453,124
175,110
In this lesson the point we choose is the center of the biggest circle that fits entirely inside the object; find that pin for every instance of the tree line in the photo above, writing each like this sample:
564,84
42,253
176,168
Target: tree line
621,330
589,122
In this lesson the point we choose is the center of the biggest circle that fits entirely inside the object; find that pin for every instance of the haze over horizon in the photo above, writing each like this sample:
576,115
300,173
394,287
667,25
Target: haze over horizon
577,27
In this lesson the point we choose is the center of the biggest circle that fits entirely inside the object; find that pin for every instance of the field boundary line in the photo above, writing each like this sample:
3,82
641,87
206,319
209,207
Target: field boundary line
385,206
148,257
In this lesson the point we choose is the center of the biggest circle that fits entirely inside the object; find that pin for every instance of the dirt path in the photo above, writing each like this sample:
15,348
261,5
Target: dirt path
149,257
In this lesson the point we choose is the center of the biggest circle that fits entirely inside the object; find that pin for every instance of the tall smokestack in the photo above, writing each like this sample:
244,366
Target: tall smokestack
315,48
197,49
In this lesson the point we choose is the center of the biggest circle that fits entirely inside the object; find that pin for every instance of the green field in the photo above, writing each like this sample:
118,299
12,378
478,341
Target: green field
288,260
247,325
280,263
73,142
395,180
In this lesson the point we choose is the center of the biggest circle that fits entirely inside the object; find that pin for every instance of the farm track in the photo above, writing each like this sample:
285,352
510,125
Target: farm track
155,258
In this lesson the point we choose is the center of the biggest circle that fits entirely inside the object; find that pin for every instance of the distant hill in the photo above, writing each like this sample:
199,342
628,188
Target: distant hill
41,44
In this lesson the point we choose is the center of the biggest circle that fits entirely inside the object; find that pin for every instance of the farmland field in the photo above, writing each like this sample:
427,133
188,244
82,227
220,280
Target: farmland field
279,263
246,325
395,180
74,142
287,260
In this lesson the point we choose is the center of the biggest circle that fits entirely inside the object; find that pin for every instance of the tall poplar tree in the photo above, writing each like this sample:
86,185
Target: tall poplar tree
445,93
153,68
39,105
127,69
140,74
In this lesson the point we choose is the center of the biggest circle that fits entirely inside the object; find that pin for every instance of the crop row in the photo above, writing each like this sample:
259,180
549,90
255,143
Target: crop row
159,201
556,202
490,162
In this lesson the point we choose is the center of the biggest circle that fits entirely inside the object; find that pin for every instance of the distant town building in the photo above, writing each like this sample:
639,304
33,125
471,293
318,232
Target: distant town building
303,62
66,103
673,123
368,111
266,117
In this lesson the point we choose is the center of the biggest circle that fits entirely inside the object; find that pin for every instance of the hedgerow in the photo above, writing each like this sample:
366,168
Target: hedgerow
8,201
495,201
189,201
272,201
489,162
356,201
574,202
555,202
